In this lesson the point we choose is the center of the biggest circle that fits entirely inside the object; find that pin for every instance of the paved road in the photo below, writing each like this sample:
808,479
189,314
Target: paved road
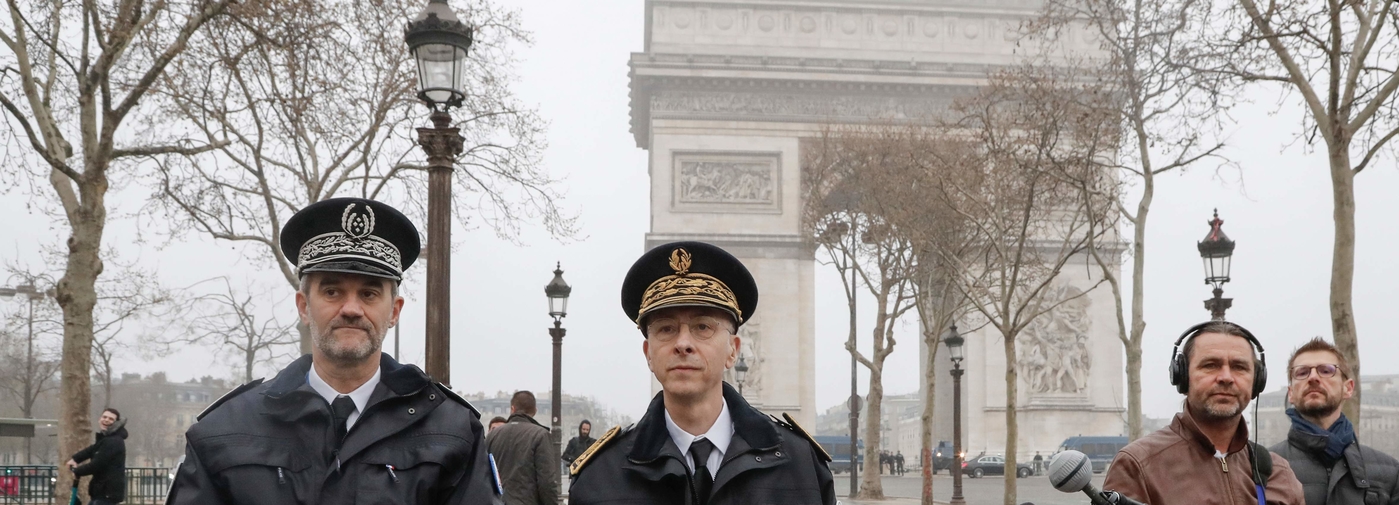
984,491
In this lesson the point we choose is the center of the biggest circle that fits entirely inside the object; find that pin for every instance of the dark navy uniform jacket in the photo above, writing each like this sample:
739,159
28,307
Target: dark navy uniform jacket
273,443
768,462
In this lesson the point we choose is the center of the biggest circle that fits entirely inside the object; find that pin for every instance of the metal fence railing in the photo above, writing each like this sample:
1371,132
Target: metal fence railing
34,485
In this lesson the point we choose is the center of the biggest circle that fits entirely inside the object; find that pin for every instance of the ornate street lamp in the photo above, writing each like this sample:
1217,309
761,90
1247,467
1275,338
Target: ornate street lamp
741,372
33,295
1217,252
954,343
439,43
557,290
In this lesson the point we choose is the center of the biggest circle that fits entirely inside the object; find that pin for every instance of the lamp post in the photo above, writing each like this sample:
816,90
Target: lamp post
741,372
1217,251
954,343
557,290
439,43
33,295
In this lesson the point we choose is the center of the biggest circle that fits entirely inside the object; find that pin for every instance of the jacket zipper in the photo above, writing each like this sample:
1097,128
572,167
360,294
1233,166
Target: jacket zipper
392,475
281,479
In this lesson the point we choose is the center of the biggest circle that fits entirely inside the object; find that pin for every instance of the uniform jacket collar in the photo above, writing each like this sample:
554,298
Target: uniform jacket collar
401,379
751,426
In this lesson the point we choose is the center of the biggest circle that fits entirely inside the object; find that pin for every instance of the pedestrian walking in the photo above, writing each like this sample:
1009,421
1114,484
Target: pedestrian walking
700,442
1039,462
346,423
105,461
580,443
525,455
899,462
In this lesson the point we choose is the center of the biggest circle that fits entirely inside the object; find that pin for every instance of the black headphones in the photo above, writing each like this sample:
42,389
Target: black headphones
1180,368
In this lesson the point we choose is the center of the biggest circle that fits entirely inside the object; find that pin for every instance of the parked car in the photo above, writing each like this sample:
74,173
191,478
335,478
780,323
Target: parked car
993,465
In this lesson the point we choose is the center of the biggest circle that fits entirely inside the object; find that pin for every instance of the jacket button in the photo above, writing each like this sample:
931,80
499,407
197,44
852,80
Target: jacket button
412,411
431,397
759,458
779,454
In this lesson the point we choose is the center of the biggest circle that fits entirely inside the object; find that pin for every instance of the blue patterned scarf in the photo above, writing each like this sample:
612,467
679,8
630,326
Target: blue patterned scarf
1341,434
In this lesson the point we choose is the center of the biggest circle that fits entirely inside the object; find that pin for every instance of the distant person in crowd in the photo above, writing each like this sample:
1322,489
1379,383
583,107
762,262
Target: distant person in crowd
700,442
496,422
526,456
1039,463
883,461
105,461
345,423
580,443
899,462
1321,446
1205,456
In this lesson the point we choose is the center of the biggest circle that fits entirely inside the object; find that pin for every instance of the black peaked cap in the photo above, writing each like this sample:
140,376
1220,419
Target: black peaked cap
705,262
351,235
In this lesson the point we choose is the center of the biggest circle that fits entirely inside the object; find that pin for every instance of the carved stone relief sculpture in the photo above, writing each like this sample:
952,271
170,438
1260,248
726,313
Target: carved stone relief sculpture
1053,351
728,182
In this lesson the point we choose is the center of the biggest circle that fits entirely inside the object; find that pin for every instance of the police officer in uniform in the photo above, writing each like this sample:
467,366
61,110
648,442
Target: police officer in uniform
347,423
700,442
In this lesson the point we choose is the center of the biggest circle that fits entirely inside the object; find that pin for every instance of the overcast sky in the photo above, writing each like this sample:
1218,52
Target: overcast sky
1277,206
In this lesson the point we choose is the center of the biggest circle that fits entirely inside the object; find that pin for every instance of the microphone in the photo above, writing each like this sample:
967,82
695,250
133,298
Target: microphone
1071,472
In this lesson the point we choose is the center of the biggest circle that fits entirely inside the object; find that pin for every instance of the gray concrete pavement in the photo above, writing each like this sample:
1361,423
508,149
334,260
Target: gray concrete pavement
983,491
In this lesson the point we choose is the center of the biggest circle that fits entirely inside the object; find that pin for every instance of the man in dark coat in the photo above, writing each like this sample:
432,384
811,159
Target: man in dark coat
1321,446
525,455
106,461
346,423
700,442
580,443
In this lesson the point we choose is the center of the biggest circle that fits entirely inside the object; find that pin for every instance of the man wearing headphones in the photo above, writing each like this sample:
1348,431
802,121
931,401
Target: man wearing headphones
1204,456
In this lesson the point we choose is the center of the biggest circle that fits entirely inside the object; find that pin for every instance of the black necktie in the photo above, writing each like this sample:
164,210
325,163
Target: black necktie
704,482
340,411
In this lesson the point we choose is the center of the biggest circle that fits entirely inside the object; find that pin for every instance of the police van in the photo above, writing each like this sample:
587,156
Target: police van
1100,450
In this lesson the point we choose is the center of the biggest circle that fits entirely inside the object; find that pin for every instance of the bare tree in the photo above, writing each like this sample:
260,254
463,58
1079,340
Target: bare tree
30,363
129,297
71,75
239,323
1026,219
844,175
1148,58
1342,59
297,122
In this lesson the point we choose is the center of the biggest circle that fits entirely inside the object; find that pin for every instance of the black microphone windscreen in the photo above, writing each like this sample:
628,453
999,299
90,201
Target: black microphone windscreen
1070,471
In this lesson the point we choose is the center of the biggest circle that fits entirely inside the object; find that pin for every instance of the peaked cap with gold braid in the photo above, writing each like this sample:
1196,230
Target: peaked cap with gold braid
689,274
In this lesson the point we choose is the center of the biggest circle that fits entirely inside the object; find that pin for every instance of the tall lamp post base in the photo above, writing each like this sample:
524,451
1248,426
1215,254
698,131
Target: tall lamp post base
442,144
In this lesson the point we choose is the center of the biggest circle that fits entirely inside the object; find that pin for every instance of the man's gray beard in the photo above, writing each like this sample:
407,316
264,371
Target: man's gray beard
1212,412
1325,409
357,355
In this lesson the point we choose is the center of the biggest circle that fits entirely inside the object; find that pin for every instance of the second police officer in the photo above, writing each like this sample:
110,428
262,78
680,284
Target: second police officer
699,442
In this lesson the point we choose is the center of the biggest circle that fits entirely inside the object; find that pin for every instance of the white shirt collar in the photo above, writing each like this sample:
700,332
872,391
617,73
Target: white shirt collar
719,434
360,395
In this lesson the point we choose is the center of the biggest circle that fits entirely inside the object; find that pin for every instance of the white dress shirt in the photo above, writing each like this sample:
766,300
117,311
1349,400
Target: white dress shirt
360,396
719,434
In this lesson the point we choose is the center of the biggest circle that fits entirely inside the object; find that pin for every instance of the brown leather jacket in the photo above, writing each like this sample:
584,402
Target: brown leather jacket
1177,466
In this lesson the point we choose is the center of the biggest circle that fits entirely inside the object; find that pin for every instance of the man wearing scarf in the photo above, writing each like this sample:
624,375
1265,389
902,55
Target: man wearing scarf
1321,446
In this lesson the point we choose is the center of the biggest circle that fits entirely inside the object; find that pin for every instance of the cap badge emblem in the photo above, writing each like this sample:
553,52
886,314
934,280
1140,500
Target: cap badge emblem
357,225
680,262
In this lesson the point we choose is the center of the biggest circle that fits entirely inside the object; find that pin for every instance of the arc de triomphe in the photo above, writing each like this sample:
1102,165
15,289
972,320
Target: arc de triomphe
723,95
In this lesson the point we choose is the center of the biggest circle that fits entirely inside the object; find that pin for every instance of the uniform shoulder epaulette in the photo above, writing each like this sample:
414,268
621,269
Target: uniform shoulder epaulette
226,397
791,424
446,391
578,464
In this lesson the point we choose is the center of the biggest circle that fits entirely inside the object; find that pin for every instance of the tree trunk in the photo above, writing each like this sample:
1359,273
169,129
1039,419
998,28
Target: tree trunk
1134,338
1343,267
930,338
871,484
1012,430
1134,392
77,297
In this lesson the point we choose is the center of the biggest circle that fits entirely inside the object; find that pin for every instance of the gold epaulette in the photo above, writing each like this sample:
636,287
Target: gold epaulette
791,424
582,460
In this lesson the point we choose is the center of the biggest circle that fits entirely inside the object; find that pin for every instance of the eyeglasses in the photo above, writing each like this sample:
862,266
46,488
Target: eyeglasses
1302,372
667,329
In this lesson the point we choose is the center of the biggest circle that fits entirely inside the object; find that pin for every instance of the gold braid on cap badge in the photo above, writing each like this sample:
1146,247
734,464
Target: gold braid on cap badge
685,286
